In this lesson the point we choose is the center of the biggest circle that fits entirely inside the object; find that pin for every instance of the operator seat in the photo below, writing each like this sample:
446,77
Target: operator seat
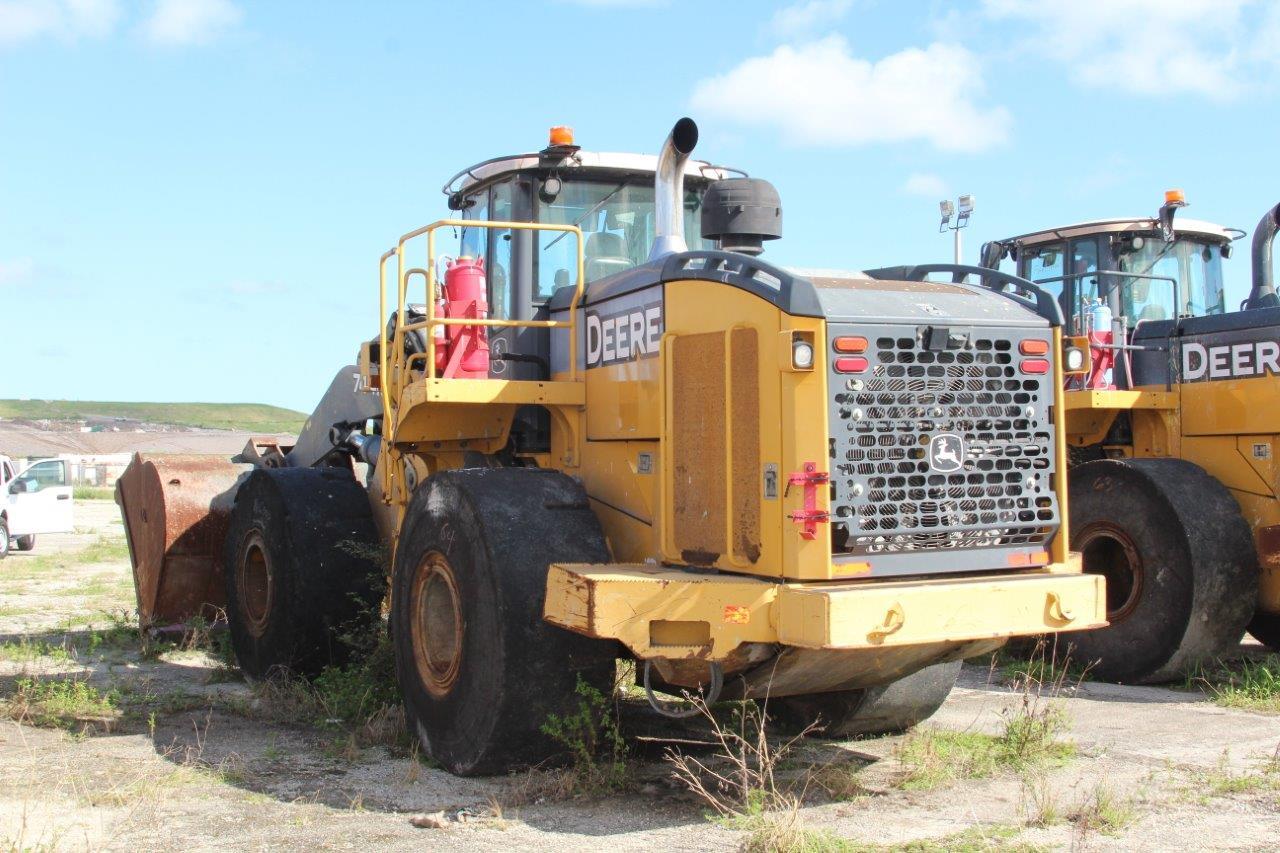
605,254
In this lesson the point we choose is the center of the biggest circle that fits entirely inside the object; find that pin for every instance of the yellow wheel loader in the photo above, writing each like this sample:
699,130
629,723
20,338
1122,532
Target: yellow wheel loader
1173,426
591,435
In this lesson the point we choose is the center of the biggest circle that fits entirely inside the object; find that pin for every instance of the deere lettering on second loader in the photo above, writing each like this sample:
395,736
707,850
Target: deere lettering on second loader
596,441
1174,430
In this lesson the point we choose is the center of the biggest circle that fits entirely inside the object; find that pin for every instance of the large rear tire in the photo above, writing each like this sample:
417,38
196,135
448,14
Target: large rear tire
479,669
887,709
1178,558
302,569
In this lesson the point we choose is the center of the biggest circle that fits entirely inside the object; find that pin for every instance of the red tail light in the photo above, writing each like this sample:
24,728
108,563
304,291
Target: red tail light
851,364
1034,347
1035,365
851,344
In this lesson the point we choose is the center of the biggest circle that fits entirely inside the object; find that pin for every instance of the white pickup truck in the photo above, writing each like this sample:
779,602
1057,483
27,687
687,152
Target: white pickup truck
36,499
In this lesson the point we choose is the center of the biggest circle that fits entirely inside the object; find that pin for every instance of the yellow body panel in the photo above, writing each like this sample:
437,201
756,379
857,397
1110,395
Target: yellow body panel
636,603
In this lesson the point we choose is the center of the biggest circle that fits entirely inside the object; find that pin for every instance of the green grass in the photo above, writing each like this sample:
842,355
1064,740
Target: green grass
1247,684
93,493
249,417
70,703
935,757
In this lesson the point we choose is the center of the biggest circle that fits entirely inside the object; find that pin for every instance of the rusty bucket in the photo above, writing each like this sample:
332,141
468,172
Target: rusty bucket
176,509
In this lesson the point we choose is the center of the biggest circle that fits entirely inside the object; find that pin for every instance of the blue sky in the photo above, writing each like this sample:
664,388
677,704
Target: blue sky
194,193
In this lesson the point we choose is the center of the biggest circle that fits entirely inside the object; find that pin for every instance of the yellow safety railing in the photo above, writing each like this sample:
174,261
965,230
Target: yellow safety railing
432,322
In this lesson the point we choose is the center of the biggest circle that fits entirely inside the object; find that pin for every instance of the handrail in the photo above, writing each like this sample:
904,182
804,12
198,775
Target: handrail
392,356
1045,305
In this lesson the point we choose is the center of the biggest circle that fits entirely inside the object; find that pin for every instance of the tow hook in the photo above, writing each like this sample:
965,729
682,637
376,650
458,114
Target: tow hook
809,516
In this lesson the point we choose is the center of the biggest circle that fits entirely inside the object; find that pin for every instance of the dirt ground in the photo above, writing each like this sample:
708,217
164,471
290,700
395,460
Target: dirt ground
192,765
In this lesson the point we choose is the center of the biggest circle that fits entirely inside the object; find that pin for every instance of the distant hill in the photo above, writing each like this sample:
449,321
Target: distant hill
245,417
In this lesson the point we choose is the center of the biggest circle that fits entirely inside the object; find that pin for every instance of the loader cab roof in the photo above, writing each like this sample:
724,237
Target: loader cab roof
569,164
1194,228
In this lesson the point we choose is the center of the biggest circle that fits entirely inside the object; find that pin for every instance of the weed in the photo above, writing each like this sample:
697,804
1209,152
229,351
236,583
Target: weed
594,741
1102,810
841,780
1040,801
72,704
1248,684
741,781
27,650
93,493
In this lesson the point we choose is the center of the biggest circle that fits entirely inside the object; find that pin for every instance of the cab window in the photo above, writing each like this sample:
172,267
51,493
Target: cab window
617,228
1195,265
43,475
1045,265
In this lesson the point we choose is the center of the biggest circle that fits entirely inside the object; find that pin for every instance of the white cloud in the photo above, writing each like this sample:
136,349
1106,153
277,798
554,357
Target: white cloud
179,22
821,94
807,16
1205,47
22,20
925,184
16,272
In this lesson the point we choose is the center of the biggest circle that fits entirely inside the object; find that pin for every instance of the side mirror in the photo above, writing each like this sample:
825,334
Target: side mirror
18,487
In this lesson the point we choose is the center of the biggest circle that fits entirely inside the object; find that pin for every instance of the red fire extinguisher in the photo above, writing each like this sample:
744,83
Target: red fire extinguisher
468,346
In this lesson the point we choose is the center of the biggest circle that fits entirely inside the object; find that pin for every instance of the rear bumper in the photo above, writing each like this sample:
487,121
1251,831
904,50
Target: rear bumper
670,613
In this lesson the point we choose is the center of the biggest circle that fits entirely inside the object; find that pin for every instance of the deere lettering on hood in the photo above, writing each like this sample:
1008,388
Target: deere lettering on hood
1237,356
623,335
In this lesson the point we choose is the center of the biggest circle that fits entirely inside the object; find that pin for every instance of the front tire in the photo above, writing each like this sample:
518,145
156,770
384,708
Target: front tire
4,538
1178,558
479,669
25,543
302,569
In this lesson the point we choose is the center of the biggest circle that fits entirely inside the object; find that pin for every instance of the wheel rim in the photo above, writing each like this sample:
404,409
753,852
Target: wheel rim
437,624
1109,551
255,583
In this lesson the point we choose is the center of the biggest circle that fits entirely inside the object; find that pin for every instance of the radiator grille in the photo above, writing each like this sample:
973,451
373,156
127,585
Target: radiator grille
941,448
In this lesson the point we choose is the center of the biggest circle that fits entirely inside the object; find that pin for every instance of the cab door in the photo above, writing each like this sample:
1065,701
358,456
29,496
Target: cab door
39,500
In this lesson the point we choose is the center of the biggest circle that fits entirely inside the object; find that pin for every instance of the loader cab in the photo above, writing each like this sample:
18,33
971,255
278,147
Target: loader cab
1167,279
609,196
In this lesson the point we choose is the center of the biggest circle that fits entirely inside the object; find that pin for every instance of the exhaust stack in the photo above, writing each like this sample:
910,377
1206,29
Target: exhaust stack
1263,294
668,190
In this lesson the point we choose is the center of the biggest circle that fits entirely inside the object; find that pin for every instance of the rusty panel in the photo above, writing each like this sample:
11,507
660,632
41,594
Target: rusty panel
176,510
744,403
698,458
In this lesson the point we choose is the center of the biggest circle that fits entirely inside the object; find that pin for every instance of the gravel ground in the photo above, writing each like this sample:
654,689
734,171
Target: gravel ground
195,766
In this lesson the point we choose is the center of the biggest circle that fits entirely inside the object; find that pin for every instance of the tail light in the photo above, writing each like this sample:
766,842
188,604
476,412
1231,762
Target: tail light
851,364
1032,346
1035,365
850,344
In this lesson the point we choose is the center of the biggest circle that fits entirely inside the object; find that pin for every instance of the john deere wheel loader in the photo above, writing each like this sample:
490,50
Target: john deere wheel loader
597,441
1174,430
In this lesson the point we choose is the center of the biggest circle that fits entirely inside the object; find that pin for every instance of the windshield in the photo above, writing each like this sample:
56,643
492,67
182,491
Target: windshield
1195,265
616,218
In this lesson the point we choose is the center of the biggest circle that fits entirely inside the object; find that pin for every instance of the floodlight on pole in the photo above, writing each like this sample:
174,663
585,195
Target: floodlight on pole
961,209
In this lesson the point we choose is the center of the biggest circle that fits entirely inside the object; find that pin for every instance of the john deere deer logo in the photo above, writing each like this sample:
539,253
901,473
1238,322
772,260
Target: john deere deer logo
946,452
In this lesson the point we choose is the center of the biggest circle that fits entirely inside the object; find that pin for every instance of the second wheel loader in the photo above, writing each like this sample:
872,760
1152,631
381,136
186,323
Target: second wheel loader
1174,429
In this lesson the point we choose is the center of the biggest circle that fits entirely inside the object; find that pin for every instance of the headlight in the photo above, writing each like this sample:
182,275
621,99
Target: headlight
1073,359
802,355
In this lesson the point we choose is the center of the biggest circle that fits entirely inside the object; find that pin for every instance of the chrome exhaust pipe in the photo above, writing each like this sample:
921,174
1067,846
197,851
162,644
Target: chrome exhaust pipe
668,190
1263,293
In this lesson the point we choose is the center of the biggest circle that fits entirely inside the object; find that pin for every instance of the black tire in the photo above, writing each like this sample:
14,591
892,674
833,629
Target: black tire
888,709
1265,628
302,569
4,537
25,543
1181,570
479,669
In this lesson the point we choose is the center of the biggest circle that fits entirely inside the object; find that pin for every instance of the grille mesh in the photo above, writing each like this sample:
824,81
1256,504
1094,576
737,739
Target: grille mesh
886,494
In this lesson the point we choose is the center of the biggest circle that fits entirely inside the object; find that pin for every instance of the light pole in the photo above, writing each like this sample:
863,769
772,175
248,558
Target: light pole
962,209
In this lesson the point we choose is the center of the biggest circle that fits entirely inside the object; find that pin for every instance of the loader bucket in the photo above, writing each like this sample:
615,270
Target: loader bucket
176,510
